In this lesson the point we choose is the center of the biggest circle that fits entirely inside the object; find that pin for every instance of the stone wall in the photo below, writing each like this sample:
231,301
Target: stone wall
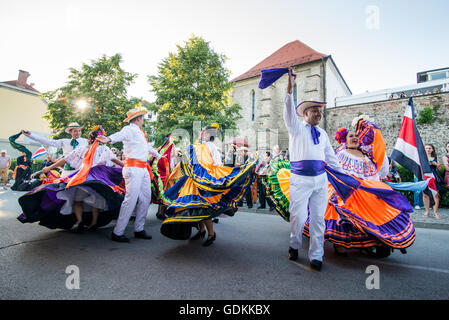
388,116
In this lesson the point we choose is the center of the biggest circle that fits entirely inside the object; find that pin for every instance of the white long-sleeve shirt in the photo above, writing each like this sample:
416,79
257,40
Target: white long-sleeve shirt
103,156
216,156
301,146
64,144
135,145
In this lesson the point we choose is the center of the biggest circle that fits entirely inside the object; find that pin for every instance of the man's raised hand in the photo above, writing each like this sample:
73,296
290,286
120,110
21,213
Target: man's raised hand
103,139
291,81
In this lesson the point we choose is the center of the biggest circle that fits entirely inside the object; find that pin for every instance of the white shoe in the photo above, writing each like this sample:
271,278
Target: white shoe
5,188
417,207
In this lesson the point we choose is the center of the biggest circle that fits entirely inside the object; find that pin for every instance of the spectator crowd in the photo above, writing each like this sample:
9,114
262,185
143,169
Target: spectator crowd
237,155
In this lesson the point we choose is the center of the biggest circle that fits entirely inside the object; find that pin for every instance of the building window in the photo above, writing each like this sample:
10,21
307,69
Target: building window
438,75
295,94
422,78
253,104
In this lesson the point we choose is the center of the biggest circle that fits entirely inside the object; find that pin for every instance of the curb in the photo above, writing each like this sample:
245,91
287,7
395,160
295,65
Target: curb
417,224
260,211
426,225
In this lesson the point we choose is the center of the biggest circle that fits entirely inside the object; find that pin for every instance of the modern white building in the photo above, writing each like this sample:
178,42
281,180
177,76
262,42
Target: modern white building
413,90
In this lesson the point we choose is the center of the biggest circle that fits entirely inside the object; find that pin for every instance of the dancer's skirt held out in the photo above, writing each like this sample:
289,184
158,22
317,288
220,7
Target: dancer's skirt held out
204,192
44,204
373,215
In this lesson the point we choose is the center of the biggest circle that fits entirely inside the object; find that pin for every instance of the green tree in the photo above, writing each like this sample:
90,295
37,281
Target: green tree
102,85
192,85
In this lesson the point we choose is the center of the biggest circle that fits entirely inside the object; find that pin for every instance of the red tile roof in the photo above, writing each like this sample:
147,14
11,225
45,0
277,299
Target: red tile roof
15,84
292,54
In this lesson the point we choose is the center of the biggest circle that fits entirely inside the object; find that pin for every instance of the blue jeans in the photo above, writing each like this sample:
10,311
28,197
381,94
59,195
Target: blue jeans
417,197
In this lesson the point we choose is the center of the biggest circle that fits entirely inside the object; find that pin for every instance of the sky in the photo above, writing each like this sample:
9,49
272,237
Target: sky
375,44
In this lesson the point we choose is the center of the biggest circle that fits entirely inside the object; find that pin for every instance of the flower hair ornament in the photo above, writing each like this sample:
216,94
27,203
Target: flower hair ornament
340,136
99,130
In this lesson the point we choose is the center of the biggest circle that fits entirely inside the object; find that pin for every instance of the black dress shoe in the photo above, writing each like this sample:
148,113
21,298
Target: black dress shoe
161,216
316,265
79,228
92,228
210,240
292,254
142,235
250,206
340,251
260,207
199,235
368,252
215,220
117,238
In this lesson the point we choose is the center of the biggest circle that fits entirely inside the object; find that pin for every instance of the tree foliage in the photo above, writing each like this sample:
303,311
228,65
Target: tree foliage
103,85
192,85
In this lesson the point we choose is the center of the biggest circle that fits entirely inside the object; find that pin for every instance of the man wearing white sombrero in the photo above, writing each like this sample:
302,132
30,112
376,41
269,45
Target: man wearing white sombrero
310,150
136,173
67,145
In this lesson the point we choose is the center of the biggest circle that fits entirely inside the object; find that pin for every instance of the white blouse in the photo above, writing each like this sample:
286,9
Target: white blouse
216,156
103,156
361,167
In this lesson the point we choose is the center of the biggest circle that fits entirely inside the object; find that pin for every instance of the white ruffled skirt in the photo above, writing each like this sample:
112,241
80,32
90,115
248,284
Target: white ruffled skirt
88,196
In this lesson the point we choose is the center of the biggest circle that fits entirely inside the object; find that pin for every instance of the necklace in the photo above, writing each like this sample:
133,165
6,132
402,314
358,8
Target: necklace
352,148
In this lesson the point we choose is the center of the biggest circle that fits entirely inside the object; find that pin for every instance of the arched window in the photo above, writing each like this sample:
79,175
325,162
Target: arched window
253,105
295,94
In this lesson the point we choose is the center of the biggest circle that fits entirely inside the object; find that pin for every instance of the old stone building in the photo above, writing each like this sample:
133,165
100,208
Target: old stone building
318,78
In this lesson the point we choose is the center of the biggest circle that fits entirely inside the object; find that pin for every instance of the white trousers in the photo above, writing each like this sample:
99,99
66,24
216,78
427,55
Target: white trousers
309,192
137,198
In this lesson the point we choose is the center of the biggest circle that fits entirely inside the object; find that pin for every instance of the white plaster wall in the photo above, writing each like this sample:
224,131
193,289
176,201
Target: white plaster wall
335,86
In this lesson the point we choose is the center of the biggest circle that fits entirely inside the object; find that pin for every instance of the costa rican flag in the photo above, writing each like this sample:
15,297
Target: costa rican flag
409,151
39,152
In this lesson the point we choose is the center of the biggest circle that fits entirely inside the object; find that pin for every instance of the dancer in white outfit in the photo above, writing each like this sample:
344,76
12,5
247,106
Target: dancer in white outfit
67,145
310,150
79,199
136,174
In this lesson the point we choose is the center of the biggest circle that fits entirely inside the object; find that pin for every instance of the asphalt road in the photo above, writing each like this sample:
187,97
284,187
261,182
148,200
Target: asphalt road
247,261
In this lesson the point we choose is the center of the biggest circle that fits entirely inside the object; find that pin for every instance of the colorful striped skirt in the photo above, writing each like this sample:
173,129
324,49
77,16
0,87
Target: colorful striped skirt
374,214
204,192
43,205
